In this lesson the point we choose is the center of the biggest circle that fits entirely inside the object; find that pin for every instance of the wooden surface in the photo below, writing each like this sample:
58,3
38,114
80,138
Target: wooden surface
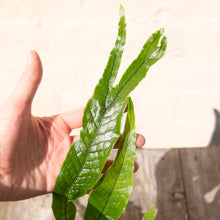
201,174
183,184
159,182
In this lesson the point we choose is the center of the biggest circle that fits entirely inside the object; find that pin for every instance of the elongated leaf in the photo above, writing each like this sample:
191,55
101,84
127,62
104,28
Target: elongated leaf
102,116
152,51
101,127
63,208
150,214
109,198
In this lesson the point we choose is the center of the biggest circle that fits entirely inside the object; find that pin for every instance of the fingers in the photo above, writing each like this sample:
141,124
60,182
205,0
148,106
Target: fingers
140,141
74,137
136,166
29,82
109,162
73,118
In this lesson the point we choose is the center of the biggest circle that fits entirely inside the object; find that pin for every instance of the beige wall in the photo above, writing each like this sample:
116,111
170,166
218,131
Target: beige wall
174,104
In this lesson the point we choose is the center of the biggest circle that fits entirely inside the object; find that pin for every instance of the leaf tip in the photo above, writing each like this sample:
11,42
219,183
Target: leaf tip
121,11
164,43
162,39
161,31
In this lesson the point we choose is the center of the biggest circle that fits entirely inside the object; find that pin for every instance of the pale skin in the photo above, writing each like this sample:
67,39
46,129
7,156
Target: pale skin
32,149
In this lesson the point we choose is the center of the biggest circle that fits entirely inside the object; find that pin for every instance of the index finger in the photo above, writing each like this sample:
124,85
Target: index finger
73,118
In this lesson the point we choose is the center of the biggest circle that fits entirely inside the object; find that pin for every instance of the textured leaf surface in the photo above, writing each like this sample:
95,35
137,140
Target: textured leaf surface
63,208
109,198
151,214
102,116
101,127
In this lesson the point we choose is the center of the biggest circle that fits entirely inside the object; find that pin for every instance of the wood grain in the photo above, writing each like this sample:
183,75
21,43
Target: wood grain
201,174
158,182
183,184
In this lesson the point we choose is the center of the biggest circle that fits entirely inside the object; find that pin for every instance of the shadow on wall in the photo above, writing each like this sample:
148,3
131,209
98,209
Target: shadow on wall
215,140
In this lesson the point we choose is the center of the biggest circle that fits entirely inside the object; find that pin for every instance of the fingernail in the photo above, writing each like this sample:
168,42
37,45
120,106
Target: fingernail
140,140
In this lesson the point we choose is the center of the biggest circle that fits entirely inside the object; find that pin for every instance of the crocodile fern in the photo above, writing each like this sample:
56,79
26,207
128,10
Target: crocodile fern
113,189
101,128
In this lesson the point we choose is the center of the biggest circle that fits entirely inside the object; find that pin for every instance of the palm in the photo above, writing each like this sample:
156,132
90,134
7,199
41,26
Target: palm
36,148
32,149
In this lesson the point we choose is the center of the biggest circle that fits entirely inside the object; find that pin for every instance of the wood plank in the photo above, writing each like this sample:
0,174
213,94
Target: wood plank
37,208
201,173
158,182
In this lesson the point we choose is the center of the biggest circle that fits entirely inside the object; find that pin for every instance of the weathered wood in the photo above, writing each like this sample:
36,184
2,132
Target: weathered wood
38,208
182,183
201,174
158,182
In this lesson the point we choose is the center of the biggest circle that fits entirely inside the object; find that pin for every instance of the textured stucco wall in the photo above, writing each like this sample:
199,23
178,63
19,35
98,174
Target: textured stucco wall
174,104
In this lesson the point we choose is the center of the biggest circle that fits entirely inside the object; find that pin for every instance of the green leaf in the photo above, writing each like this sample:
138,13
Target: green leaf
152,51
63,209
151,214
100,130
102,116
109,198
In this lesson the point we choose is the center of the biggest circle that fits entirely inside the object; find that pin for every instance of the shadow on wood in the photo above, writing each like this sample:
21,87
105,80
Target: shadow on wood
186,182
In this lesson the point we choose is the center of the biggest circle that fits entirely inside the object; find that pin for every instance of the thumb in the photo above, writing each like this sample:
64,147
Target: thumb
27,85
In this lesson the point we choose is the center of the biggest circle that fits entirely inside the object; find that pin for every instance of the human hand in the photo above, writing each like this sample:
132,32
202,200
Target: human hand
32,149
